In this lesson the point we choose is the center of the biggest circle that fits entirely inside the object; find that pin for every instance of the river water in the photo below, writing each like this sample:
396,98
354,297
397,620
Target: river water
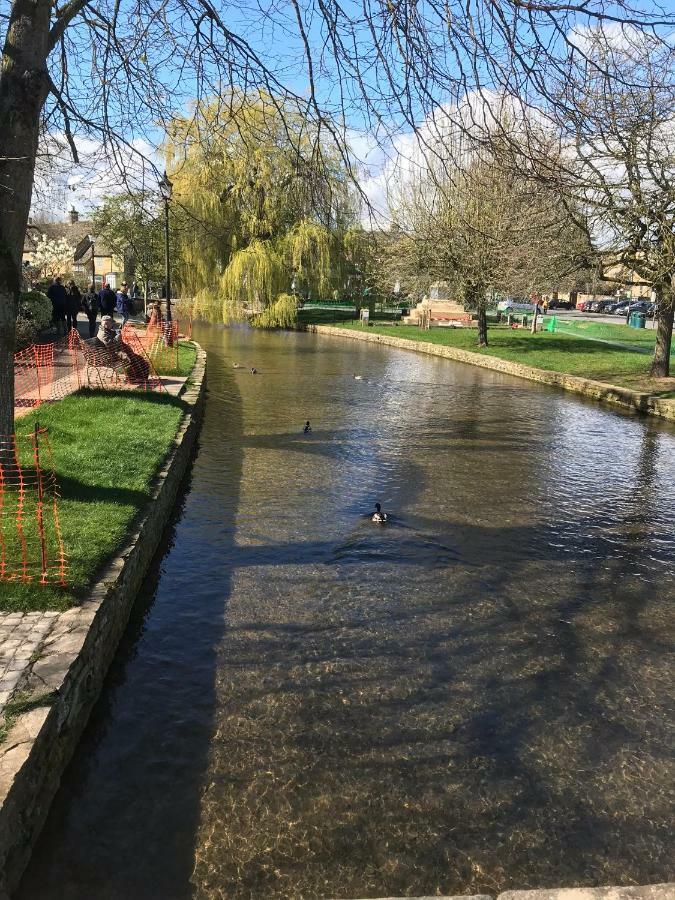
475,697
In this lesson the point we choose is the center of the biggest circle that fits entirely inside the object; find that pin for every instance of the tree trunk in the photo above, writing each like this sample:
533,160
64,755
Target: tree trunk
482,326
535,319
24,85
664,334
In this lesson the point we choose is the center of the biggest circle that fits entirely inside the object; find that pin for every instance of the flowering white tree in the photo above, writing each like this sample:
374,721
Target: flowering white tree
52,256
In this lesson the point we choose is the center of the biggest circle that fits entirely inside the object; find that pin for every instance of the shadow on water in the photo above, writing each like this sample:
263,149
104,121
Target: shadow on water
471,699
123,825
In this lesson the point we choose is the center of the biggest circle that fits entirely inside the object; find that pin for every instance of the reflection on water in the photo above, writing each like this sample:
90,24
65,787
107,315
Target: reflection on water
472,698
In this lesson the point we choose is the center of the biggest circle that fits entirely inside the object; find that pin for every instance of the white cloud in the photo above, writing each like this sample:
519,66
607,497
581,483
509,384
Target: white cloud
61,183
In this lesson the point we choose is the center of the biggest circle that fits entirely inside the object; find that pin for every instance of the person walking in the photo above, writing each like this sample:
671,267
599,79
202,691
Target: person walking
107,301
73,305
123,305
58,296
90,303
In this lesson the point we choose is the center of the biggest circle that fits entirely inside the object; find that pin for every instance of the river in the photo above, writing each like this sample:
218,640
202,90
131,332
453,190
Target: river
475,697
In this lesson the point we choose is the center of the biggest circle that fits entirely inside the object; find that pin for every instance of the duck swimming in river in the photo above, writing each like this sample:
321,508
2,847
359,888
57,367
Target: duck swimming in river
378,516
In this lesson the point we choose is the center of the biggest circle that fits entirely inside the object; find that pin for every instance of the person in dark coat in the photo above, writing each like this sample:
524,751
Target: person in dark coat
107,301
90,303
73,305
57,294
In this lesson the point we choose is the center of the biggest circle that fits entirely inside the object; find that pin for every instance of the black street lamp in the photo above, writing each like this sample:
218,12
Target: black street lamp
166,189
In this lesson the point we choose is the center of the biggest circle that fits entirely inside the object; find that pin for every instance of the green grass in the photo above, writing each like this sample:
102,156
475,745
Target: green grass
165,362
557,352
643,338
107,447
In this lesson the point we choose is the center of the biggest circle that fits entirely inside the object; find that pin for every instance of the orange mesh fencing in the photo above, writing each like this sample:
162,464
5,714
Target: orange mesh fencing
48,372
31,545
33,375
140,369
161,343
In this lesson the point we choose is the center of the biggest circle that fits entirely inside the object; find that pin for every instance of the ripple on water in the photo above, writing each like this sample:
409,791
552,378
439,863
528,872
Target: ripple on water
473,698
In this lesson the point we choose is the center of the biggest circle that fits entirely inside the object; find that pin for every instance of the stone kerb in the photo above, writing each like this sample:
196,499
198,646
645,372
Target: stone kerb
631,892
643,403
66,680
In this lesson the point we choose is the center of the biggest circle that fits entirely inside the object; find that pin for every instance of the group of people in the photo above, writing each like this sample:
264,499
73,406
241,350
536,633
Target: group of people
68,301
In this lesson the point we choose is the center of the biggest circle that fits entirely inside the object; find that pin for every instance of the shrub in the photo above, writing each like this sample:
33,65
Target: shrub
33,315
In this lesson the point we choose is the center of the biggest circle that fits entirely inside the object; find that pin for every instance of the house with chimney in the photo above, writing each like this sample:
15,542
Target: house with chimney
91,258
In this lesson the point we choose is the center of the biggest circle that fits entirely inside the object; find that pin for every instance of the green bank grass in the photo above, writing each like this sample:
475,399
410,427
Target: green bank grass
107,446
187,355
556,352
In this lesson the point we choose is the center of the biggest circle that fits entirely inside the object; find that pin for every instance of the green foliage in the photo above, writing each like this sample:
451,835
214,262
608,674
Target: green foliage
33,316
310,249
131,226
283,313
252,279
259,200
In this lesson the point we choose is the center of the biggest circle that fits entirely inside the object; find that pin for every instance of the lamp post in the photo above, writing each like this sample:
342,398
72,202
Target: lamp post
166,189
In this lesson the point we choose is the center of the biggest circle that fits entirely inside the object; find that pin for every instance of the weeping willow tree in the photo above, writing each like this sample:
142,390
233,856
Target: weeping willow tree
252,280
314,255
258,200
282,313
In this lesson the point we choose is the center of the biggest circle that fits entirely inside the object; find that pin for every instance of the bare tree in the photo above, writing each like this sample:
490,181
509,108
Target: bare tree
617,162
484,229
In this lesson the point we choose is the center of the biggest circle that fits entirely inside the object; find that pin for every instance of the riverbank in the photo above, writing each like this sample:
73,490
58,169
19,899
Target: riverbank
555,359
118,491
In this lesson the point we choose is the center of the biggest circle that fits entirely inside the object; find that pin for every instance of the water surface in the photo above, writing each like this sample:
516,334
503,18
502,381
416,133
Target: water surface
474,698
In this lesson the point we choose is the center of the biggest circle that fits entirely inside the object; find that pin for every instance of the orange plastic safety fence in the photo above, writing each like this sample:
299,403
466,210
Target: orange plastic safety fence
47,372
161,342
33,375
31,544
140,369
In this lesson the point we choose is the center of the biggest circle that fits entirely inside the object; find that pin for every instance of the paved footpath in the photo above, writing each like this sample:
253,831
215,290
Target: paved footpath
21,637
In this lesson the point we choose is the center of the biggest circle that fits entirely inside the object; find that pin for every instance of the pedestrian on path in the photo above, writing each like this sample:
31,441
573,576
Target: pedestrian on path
90,303
57,294
107,301
73,305
123,303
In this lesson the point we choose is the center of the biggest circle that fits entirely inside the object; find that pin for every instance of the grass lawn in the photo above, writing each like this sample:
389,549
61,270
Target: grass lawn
106,446
164,363
557,352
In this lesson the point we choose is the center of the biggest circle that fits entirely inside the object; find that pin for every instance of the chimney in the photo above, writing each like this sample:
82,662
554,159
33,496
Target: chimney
73,215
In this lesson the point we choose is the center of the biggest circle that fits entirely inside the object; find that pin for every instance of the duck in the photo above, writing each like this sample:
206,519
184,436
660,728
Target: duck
358,378
254,371
379,516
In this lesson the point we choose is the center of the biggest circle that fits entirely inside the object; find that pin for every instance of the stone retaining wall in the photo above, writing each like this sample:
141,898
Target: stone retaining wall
609,393
632,892
66,680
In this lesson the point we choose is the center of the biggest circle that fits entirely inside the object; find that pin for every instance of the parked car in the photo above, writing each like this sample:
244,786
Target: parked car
643,306
560,304
514,306
585,306
601,306
620,309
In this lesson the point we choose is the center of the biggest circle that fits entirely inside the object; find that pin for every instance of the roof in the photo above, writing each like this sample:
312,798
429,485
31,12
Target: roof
78,234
